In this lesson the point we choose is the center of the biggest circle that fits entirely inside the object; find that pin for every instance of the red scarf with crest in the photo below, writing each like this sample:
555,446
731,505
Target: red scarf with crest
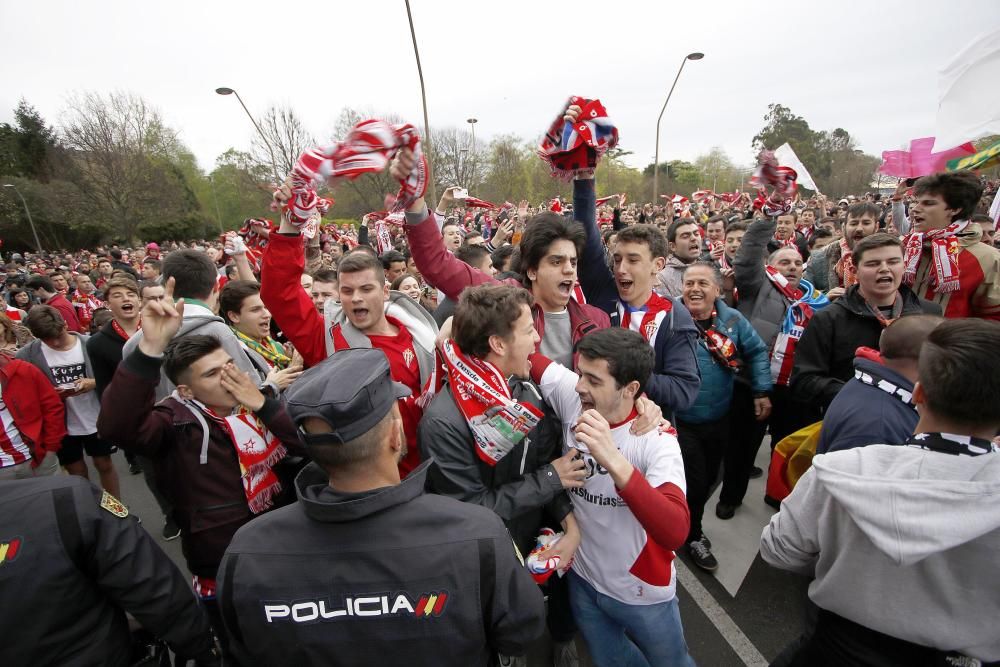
647,318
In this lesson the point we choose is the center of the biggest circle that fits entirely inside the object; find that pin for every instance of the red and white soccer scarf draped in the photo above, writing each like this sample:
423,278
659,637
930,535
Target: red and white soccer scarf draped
569,148
379,224
85,305
257,449
13,313
120,330
780,179
719,345
787,243
577,294
475,202
254,241
498,422
944,248
368,148
805,301
647,318
845,268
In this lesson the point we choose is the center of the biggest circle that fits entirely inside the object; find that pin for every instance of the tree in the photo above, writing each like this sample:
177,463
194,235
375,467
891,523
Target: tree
27,146
288,138
123,159
782,126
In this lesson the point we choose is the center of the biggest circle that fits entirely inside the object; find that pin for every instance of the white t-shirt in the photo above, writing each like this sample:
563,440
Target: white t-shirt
13,450
66,368
616,556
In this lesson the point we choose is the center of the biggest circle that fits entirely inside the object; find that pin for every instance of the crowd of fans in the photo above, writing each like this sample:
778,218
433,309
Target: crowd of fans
585,370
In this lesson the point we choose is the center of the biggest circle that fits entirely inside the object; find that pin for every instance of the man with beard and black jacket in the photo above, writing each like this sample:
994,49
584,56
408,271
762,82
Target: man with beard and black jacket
824,357
366,569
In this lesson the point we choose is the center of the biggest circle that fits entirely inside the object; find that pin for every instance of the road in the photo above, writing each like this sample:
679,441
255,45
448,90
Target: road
744,614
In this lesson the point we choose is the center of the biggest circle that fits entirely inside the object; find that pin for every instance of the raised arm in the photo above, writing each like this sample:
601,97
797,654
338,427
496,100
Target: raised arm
748,266
438,266
595,277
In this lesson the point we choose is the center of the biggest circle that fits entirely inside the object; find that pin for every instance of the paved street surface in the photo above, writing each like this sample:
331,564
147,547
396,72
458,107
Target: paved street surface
743,615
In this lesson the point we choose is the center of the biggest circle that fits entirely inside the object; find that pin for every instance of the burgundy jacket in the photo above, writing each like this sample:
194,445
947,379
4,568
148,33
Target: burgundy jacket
209,502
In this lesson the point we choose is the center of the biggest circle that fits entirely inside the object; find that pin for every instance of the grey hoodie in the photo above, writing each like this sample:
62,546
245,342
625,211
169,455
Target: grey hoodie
201,321
901,540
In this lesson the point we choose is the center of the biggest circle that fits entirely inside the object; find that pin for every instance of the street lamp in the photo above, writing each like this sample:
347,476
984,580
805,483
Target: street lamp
38,244
472,123
274,162
656,161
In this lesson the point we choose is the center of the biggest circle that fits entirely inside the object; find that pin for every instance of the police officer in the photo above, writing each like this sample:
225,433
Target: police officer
366,569
72,562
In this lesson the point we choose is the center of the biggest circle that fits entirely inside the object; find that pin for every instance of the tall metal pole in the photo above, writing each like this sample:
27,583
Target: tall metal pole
472,122
423,97
656,160
278,178
31,223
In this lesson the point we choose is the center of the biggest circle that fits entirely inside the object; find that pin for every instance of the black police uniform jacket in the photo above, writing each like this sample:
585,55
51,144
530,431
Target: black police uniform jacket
386,577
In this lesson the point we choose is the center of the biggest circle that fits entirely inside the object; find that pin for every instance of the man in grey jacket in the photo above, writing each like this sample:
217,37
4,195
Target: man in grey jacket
196,281
902,541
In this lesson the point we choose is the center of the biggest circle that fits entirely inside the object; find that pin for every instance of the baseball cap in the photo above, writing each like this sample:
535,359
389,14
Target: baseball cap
351,391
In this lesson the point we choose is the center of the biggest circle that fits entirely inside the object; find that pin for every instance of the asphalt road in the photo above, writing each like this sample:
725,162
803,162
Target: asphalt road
722,629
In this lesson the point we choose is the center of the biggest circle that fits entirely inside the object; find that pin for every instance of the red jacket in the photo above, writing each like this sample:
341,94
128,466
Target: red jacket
34,405
68,312
444,271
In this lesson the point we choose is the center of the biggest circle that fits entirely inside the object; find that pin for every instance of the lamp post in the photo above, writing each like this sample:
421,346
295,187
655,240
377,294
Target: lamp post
423,97
656,161
38,244
274,163
472,123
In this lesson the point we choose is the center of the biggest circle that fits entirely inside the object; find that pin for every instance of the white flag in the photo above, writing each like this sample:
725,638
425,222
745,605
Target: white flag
969,94
786,157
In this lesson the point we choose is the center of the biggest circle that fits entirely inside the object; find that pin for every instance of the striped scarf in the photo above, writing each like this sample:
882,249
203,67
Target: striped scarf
805,301
645,319
569,148
270,349
944,248
719,345
846,271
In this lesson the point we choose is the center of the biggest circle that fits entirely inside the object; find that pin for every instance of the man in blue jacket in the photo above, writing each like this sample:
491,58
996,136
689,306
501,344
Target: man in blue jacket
726,341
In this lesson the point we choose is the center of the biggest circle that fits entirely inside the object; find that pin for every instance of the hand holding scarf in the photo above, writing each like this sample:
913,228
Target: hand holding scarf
572,147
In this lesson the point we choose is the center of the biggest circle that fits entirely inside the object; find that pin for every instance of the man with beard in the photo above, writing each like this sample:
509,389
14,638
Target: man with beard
944,260
684,242
824,358
832,270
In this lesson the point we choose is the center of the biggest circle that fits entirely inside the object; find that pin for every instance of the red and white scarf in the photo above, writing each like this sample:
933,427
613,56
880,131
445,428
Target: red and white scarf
845,268
120,330
498,422
475,202
368,148
569,148
944,249
719,345
805,301
647,318
13,313
257,450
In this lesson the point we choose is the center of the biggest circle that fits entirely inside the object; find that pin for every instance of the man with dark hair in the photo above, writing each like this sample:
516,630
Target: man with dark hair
548,268
151,269
118,263
393,263
451,233
476,256
411,568
622,580
498,446
902,541
250,320
368,315
824,357
502,260
214,441
786,235
684,242
876,405
833,270
988,226
325,287
62,356
944,261
195,279
45,292
819,239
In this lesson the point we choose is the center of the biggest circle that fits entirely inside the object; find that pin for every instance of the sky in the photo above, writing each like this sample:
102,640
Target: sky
869,67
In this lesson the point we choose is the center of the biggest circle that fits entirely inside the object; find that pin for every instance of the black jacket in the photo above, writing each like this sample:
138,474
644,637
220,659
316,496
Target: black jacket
69,570
824,357
523,488
428,581
105,350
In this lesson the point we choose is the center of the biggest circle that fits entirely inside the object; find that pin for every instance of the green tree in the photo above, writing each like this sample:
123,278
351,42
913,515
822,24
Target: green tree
27,147
812,147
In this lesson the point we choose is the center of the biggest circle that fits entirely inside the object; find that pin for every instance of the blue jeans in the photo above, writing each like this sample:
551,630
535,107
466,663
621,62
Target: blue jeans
628,635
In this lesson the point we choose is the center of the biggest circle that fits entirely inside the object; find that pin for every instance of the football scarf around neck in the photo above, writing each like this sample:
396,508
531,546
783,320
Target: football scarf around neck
944,249
120,330
270,349
257,450
805,302
895,314
845,268
645,319
890,388
950,443
368,148
498,422
569,148
718,344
